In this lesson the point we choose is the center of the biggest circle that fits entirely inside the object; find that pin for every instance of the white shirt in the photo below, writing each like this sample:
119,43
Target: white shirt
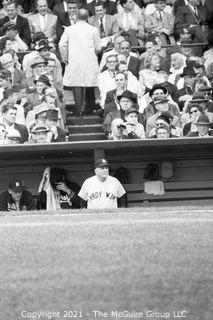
101,195
43,20
14,20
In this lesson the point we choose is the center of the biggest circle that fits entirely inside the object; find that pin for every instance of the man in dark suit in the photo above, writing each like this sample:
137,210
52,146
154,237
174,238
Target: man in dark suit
186,92
9,112
57,134
192,16
133,62
66,19
105,23
111,6
20,22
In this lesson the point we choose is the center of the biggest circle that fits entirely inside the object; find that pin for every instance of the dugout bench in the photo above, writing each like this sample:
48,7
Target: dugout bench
192,159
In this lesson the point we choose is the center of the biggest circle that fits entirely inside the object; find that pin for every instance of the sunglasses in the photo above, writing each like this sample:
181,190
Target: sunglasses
193,111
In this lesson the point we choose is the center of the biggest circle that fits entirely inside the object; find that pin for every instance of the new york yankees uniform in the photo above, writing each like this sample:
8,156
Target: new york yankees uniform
101,195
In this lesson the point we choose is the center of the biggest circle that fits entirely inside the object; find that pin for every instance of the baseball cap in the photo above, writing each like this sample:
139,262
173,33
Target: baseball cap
16,185
101,163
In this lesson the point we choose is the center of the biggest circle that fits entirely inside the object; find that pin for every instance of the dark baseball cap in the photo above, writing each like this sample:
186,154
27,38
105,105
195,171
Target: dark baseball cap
101,163
16,185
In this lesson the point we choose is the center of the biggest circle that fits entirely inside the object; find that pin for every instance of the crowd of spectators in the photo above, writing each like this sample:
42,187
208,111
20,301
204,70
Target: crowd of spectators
144,67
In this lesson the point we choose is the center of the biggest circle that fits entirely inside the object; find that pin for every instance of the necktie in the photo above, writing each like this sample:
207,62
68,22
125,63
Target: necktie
102,28
196,11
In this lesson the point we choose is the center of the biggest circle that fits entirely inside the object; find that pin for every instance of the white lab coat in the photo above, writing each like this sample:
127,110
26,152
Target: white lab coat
79,44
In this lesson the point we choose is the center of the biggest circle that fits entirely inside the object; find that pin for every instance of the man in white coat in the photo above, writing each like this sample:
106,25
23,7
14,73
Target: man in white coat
79,46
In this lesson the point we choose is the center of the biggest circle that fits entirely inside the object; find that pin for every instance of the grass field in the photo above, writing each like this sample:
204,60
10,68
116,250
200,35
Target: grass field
152,263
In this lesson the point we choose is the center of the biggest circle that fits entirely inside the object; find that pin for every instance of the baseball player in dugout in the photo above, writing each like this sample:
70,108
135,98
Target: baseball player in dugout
16,198
102,191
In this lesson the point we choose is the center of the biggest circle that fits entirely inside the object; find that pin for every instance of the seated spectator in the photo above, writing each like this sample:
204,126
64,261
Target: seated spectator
149,75
21,103
118,130
38,68
56,133
115,51
164,72
178,62
39,36
203,128
149,109
198,98
123,83
207,92
126,100
42,51
13,136
11,95
106,24
151,8
57,192
160,23
16,198
66,18
11,33
43,21
185,94
132,83
8,63
39,134
131,22
35,98
106,79
21,25
193,113
51,102
164,120
186,48
153,44
133,63
135,130
36,116
194,16
3,133
163,132
5,82
9,112
200,82
161,104
51,70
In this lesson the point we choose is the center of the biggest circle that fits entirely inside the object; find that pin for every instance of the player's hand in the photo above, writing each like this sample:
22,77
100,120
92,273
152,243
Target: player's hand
62,186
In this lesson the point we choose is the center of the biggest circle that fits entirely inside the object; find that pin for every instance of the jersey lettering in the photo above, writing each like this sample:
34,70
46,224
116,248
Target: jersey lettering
95,195
110,195
11,207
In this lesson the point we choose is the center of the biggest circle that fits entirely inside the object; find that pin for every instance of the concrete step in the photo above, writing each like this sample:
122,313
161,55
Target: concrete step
84,120
87,137
88,128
